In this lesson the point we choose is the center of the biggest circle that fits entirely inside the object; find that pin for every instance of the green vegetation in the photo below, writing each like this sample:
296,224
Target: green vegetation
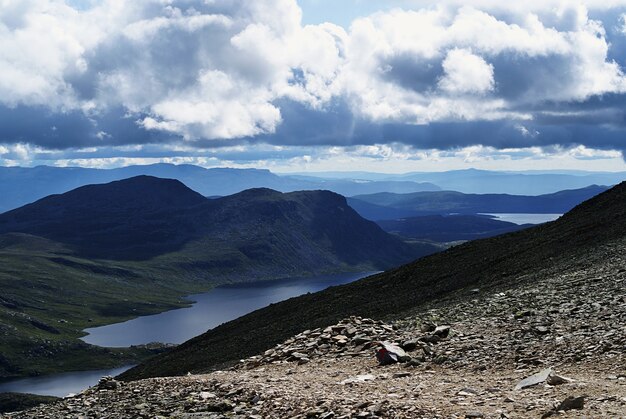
48,297
14,402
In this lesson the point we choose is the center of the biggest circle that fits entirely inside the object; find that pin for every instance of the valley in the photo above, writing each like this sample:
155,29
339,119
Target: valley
104,254
138,246
504,321
312,209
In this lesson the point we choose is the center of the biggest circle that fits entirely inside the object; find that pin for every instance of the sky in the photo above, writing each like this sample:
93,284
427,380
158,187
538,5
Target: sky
389,86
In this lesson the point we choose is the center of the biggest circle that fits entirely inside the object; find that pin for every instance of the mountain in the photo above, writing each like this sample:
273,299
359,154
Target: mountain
449,202
20,185
522,183
375,212
585,238
134,218
530,182
146,217
449,228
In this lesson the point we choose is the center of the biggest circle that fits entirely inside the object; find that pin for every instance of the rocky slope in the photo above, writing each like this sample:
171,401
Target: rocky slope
504,261
570,319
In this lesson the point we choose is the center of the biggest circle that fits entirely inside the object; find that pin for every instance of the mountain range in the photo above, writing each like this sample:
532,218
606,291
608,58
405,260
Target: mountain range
449,228
145,217
584,236
20,185
388,206
473,181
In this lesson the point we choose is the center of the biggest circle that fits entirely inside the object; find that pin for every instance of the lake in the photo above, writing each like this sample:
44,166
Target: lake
211,309
525,218
59,385
222,304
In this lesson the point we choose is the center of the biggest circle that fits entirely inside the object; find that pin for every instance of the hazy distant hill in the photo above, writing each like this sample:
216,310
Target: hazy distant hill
386,206
487,181
518,183
20,186
584,235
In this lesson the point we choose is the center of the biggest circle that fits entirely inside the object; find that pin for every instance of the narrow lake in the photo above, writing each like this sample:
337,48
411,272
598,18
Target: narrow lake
210,309
526,218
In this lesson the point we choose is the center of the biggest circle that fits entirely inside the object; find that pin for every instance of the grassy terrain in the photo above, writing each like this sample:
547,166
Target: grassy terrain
48,297
13,402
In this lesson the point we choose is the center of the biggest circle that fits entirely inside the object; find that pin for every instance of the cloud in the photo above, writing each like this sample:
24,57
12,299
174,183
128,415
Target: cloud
214,73
466,73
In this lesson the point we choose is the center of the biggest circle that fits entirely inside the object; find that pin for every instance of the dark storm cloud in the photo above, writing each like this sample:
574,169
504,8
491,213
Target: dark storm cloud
61,130
414,73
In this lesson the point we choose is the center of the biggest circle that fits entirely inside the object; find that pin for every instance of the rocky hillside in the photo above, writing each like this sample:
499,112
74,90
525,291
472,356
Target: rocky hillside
550,343
573,242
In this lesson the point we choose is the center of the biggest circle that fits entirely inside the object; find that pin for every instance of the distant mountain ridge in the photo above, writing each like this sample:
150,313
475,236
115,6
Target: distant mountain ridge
440,228
530,182
145,217
387,206
20,186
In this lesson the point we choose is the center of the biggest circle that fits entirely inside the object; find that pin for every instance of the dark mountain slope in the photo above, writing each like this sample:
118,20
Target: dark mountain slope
376,212
503,260
134,218
259,230
448,202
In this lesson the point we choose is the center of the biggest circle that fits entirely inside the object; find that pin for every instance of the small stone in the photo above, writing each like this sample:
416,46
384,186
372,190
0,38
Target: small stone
401,374
430,339
207,395
467,392
555,380
572,403
442,331
409,345
534,379
472,415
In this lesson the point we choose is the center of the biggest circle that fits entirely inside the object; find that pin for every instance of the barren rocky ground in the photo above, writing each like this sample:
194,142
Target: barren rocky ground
571,320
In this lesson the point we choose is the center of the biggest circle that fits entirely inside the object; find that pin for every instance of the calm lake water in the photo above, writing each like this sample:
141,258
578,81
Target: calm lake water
59,385
211,309
526,218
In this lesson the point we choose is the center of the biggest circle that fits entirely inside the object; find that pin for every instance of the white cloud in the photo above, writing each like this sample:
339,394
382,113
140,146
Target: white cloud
218,69
466,73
